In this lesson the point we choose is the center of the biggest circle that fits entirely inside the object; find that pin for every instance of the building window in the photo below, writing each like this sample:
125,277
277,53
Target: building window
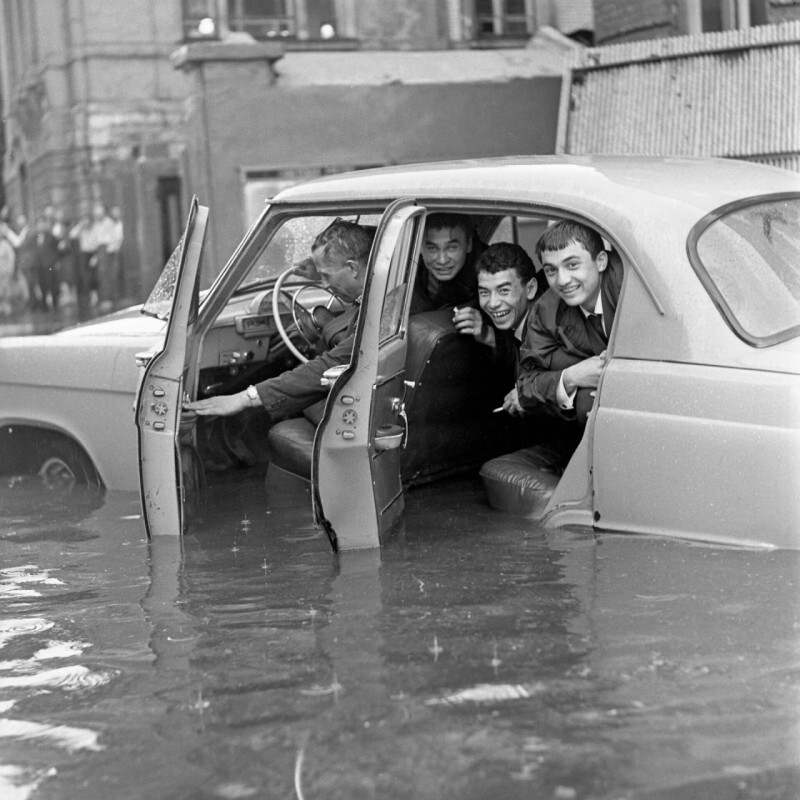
200,19
509,18
707,16
262,19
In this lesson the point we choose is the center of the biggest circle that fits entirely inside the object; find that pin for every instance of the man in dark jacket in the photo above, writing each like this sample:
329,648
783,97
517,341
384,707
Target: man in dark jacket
340,255
45,280
507,287
563,353
446,277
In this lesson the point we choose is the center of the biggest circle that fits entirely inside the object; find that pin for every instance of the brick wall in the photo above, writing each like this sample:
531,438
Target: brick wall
618,21
631,20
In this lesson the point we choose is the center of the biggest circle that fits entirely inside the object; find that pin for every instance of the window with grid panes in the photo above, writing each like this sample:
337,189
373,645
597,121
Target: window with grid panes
510,18
200,19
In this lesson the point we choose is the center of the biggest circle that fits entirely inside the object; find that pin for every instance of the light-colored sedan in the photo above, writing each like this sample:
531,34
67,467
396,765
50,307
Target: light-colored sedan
695,430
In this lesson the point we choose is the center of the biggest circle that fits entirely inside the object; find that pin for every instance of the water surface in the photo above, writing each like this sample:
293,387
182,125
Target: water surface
474,657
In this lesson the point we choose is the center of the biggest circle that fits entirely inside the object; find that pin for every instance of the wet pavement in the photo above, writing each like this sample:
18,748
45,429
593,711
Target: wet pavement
476,656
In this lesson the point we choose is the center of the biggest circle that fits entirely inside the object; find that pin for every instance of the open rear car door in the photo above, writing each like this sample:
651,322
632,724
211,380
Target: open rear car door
358,494
158,404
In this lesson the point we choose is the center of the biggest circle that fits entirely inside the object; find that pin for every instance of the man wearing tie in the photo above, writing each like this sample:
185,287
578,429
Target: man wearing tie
563,352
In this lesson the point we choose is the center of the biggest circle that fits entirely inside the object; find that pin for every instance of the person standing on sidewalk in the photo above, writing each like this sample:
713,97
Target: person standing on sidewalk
105,236
114,253
84,240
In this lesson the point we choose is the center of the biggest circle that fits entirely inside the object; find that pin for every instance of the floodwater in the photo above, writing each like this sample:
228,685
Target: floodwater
475,657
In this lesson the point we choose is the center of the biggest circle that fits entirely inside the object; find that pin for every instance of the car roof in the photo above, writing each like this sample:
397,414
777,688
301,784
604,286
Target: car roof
596,186
647,206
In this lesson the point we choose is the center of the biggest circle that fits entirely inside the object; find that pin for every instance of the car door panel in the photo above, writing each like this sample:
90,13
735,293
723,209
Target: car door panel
358,495
164,477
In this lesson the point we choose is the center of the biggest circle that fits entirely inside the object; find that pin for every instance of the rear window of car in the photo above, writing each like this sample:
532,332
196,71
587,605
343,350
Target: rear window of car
748,257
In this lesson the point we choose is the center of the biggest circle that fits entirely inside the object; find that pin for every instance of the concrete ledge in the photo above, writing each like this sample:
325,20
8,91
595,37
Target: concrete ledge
230,49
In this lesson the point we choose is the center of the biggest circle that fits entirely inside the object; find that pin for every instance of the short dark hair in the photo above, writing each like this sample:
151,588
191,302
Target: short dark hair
563,233
345,239
507,255
445,221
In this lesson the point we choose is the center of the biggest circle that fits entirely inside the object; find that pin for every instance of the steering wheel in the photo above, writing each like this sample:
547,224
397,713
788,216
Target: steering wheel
306,323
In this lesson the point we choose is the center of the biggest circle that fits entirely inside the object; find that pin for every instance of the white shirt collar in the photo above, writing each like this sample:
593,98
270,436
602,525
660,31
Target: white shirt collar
519,331
598,306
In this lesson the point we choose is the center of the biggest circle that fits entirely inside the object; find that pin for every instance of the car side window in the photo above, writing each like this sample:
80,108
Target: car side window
398,287
747,258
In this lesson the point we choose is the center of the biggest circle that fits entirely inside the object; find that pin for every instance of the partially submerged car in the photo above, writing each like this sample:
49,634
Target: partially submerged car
695,430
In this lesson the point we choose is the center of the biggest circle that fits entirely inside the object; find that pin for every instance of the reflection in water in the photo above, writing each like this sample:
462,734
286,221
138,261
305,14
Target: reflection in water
474,657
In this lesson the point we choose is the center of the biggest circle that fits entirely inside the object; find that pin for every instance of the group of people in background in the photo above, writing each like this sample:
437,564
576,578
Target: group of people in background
56,263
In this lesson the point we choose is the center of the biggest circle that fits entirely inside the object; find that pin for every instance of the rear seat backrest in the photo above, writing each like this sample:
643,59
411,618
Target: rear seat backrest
449,407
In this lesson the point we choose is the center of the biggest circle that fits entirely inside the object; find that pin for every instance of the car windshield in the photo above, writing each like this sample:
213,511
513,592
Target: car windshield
291,244
749,259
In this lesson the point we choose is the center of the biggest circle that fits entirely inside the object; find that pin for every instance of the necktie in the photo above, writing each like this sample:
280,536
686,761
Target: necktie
596,323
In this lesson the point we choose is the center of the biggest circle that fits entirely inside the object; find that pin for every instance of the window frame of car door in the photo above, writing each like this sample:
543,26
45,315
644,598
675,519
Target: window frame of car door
360,519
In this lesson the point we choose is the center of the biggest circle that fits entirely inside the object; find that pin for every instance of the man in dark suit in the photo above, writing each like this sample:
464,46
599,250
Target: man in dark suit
45,282
507,286
563,353
340,254
446,276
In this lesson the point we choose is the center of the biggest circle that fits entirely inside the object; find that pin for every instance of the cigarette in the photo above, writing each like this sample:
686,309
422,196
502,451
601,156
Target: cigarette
497,410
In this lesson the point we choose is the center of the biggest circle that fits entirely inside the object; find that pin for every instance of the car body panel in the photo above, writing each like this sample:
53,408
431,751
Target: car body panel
356,468
81,382
698,452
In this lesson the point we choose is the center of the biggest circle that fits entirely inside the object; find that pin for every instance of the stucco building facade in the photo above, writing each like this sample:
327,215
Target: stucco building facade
143,103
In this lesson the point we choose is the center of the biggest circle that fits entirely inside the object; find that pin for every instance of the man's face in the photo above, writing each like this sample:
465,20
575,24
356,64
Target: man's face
444,252
504,297
344,277
574,275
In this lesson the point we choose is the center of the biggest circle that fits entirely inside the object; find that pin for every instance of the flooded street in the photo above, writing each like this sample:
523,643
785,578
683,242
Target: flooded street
474,657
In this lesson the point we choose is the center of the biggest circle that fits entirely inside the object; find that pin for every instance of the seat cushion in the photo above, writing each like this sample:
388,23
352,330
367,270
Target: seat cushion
522,482
291,444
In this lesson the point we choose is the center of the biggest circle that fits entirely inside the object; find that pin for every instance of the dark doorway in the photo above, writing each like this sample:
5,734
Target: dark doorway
170,213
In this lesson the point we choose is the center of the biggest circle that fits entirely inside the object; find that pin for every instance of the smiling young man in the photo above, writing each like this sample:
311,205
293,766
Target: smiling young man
446,277
507,286
563,352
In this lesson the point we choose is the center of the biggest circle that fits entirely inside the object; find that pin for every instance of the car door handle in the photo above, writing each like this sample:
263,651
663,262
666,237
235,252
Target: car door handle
389,437
331,374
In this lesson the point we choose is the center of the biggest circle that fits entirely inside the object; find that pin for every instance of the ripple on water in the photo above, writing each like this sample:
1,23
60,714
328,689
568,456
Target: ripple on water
19,783
13,578
61,650
56,735
68,678
10,628
28,573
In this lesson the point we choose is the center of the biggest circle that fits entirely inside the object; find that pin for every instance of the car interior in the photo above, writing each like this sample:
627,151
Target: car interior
272,320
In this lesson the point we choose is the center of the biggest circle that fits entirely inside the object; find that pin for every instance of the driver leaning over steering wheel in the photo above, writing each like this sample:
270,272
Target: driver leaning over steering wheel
340,254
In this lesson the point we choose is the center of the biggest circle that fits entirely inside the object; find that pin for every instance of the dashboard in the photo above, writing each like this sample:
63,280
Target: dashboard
244,340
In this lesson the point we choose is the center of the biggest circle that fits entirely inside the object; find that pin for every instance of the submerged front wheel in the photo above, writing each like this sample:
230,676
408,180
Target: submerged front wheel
62,464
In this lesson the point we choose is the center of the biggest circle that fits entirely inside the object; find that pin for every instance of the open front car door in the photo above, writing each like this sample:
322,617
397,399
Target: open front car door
163,477
358,494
